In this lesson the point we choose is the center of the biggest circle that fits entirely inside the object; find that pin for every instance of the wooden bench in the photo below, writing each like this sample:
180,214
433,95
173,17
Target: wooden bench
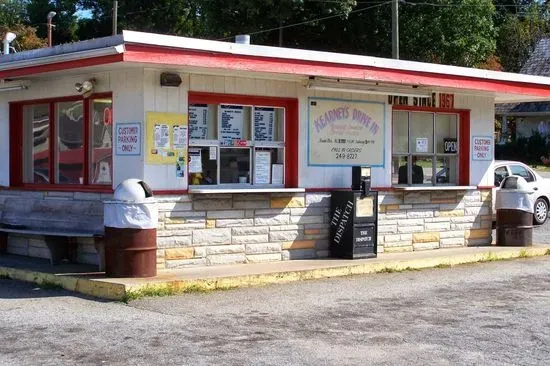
59,222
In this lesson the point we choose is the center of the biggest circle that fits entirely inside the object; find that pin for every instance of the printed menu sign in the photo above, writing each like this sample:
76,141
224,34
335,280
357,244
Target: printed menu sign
195,161
262,167
264,121
198,121
344,133
232,117
162,137
482,148
180,137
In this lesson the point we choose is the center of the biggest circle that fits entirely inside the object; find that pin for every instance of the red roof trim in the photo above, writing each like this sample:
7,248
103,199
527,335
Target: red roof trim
170,56
65,65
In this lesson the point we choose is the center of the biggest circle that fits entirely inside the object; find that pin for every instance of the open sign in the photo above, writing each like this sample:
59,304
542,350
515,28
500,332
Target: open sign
450,146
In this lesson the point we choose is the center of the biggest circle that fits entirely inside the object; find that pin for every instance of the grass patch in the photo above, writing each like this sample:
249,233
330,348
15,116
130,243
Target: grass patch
523,254
489,257
443,265
541,168
160,291
148,291
547,252
396,270
387,270
4,276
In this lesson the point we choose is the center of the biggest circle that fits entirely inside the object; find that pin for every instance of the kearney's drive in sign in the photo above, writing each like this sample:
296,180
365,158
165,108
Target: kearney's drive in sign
345,132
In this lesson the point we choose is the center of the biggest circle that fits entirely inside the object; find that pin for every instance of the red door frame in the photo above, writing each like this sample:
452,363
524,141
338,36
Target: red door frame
463,131
291,123
16,145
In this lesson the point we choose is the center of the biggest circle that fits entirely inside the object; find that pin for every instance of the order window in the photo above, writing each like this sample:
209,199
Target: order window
425,148
64,145
236,145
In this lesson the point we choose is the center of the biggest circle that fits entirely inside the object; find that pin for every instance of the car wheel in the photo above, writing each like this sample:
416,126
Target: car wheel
541,211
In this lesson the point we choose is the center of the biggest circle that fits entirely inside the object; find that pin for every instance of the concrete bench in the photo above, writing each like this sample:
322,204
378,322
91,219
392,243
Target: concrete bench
59,222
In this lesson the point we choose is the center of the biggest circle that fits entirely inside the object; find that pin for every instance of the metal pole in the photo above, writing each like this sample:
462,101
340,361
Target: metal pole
395,28
280,33
49,32
115,17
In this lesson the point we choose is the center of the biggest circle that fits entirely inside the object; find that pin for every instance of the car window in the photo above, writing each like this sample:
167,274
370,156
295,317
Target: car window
500,174
522,172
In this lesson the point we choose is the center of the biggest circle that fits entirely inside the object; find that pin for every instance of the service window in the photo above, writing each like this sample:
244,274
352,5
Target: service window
64,145
425,148
236,145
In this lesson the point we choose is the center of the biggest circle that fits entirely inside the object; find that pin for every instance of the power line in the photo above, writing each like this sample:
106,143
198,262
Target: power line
311,21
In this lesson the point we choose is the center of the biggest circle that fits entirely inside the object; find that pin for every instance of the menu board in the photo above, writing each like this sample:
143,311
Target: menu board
262,167
232,117
198,121
264,122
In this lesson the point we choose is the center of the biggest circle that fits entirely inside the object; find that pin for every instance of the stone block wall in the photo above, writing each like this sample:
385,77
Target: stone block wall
250,228
242,228
414,220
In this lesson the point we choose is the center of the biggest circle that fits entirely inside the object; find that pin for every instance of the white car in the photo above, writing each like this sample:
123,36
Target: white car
504,168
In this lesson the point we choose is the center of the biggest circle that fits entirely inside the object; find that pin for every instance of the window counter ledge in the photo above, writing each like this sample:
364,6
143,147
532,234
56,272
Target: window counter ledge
435,188
244,190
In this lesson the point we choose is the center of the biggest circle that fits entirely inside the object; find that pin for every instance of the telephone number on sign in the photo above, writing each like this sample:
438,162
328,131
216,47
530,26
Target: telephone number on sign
342,156
355,150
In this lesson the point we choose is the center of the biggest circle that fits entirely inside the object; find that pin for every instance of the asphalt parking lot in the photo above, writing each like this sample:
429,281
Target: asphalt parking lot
481,314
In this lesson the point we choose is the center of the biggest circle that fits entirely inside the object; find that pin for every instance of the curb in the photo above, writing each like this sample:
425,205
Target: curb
121,292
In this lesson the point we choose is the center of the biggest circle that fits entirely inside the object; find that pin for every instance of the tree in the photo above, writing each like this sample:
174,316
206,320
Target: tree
227,18
181,17
12,19
65,21
519,34
459,32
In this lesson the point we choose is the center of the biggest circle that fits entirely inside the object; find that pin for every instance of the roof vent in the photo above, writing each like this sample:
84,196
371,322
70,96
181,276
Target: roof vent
242,39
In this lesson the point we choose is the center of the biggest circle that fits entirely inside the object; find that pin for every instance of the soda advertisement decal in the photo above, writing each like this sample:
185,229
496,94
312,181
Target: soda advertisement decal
345,132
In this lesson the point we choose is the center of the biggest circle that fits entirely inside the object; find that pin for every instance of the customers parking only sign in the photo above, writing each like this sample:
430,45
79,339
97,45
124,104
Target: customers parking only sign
482,147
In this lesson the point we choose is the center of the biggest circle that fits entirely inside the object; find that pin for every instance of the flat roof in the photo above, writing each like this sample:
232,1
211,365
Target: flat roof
140,47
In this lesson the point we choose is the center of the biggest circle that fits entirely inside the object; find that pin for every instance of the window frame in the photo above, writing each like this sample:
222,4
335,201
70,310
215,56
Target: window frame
531,175
17,139
463,140
290,135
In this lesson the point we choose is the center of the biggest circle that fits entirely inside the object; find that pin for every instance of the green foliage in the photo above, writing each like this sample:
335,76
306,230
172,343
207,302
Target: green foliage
519,34
65,21
474,33
460,32
526,149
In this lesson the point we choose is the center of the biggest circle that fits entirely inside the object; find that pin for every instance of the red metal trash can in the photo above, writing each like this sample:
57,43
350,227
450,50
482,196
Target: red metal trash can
515,202
131,221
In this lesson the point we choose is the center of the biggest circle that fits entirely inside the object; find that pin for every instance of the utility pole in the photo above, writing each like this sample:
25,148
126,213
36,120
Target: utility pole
115,17
395,28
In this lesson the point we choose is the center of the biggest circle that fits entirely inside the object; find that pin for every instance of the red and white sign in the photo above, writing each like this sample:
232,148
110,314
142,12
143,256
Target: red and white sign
482,148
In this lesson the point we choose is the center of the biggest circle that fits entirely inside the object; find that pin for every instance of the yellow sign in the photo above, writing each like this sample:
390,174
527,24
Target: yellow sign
166,137
345,132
